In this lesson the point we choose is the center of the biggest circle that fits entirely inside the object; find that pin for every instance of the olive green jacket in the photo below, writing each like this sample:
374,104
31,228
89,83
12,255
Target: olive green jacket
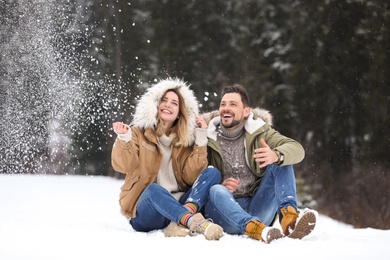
257,126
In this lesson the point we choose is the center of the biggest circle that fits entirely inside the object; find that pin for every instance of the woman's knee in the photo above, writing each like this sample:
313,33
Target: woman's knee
152,189
212,173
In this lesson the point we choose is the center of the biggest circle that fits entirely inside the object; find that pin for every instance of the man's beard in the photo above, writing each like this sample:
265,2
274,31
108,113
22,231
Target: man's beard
232,124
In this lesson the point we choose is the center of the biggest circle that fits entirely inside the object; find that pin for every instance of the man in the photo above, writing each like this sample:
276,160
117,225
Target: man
256,163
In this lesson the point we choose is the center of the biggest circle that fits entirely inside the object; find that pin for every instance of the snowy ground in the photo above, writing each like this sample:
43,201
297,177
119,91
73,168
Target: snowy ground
77,217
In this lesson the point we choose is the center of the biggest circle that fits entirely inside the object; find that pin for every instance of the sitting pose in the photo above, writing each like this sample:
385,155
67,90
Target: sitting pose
163,153
256,162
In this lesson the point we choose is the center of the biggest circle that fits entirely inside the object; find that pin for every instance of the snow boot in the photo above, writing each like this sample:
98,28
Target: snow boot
296,226
176,230
206,227
259,231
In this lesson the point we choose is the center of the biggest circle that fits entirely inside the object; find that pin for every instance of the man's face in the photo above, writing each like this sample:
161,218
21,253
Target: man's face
232,110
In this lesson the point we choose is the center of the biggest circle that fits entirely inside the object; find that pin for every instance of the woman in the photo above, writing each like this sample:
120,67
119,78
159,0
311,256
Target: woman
164,156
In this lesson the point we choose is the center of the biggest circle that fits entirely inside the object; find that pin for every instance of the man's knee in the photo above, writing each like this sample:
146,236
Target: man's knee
217,190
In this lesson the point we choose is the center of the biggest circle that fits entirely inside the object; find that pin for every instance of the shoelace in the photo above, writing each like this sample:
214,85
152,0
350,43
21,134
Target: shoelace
291,215
199,228
255,229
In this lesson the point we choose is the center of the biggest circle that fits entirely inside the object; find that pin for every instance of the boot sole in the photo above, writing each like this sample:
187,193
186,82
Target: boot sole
304,226
271,234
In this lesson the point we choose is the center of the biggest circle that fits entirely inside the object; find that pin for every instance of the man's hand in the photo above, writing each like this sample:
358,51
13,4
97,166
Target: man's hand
231,184
265,155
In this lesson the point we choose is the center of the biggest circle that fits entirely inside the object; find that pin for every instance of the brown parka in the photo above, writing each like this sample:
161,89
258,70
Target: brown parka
140,157
187,162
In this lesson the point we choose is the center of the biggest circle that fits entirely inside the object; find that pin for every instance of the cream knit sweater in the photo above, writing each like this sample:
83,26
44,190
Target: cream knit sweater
166,178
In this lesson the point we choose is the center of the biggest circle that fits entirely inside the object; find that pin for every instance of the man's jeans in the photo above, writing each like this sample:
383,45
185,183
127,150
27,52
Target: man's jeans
157,207
276,190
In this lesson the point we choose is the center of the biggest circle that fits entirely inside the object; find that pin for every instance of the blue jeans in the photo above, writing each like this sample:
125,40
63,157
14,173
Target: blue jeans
276,190
157,207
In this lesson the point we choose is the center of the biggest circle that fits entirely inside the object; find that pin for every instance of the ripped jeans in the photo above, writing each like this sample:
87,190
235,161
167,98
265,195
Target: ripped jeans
157,207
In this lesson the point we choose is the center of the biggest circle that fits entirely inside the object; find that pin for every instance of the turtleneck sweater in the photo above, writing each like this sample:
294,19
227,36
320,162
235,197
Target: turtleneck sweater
166,177
234,159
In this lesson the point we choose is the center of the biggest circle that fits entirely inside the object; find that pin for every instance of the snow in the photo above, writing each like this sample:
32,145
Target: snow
77,217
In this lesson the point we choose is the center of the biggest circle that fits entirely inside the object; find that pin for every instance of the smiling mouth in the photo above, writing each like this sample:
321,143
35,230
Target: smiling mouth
166,111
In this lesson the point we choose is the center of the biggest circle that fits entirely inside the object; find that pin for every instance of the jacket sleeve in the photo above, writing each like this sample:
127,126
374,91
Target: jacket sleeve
291,149
197,161
195,164
124,155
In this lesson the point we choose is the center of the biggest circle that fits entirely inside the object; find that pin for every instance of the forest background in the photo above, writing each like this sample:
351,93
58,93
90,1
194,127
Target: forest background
69,68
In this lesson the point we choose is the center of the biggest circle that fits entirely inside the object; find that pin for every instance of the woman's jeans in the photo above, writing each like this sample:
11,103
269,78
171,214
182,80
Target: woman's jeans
276,190
157,207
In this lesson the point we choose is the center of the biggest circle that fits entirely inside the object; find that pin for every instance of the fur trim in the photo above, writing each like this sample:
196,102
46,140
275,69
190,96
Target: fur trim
146,111
263,114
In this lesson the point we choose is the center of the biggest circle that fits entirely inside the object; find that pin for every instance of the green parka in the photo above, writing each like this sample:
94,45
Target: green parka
257,126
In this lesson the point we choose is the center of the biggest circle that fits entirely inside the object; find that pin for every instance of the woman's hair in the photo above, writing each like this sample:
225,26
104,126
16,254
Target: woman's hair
179,129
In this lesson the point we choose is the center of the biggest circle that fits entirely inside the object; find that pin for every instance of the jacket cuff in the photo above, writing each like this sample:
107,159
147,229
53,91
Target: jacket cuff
200,137
126,137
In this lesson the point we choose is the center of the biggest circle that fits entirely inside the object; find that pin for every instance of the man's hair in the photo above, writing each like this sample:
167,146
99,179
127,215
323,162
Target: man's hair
239,89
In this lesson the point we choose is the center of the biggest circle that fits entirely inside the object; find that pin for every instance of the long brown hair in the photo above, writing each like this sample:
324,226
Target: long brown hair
179,129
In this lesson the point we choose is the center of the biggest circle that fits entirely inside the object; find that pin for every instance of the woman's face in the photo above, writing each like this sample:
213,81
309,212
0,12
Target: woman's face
168,109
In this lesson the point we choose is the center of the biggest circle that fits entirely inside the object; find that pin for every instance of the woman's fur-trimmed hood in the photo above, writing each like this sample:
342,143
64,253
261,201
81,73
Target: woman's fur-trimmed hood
146,111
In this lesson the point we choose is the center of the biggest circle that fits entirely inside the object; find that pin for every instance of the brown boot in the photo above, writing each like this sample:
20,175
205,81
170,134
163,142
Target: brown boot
259,231
295,227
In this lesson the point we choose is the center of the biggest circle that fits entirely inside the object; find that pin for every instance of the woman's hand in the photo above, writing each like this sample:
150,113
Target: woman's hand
201,122
120,128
